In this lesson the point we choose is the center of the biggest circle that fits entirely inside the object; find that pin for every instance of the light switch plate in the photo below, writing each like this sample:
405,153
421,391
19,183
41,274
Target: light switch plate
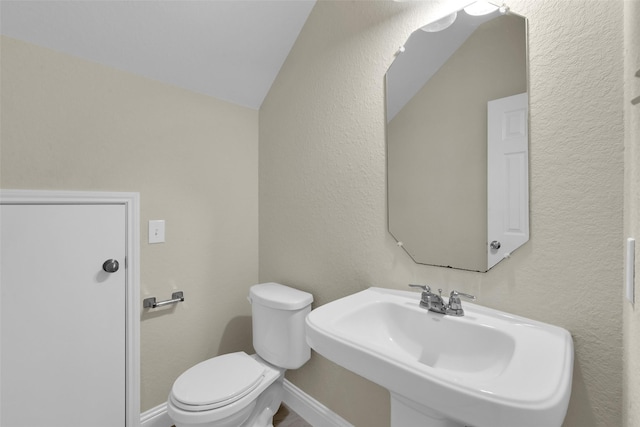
630,269
156,231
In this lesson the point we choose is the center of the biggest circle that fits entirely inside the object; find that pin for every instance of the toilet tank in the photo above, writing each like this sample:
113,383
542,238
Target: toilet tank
278,324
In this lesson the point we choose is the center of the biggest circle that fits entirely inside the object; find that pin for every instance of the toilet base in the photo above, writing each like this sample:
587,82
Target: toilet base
237,419
259,414
266,406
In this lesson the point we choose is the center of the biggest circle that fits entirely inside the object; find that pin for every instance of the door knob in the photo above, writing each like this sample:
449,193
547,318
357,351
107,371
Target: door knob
111,266
495,245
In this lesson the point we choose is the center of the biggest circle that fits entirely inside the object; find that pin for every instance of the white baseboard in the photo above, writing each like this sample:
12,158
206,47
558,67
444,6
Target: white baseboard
156,417
300,402
310,409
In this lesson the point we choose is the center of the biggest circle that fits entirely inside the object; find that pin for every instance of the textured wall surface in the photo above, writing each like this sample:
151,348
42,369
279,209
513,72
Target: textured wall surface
323,190
632,210
73,125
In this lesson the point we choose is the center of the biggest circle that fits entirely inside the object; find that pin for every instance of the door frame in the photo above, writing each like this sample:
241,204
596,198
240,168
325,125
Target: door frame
131,201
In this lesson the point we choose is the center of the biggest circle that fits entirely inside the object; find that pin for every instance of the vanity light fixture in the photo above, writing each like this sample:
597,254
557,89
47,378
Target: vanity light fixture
440,24
480,8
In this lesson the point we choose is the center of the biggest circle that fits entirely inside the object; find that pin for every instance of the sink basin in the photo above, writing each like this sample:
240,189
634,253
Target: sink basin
484,369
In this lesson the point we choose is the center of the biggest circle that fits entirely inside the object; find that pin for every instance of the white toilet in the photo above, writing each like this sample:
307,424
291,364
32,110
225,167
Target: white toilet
239,390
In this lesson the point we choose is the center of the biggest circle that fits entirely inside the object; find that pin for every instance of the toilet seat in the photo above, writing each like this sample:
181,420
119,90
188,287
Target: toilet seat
217,382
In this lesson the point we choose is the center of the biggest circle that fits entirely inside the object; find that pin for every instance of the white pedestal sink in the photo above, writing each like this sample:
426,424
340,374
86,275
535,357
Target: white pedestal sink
484,369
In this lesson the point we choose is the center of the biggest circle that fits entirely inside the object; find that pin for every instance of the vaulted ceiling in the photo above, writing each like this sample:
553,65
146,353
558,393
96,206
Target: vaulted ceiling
228,49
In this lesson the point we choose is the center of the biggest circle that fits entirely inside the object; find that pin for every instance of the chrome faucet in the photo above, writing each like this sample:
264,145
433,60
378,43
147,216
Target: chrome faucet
435,303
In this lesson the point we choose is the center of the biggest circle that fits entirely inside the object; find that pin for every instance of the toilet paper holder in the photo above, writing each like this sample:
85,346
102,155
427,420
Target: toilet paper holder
176,297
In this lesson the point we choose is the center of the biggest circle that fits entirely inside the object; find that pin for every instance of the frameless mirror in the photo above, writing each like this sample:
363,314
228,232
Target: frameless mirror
457,140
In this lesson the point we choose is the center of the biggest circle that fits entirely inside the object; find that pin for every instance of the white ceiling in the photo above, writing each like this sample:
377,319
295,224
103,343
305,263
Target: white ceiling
228,49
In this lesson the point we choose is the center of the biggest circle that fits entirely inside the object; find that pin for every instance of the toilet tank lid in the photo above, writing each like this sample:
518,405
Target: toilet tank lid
275,295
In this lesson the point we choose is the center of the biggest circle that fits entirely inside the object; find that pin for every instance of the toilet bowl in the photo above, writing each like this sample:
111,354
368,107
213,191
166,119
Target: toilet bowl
241,390
224,392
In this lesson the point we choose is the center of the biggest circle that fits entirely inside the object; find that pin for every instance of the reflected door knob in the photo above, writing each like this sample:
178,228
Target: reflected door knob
111,266
495,245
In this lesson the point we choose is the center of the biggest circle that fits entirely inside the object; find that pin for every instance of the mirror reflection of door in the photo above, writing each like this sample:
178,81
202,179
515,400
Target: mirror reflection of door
437,95
507,176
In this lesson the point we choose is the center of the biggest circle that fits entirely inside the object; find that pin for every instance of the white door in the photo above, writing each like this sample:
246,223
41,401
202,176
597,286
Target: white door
63,317
507,176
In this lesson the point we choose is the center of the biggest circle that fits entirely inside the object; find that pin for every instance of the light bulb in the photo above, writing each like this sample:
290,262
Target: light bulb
480,8
440,24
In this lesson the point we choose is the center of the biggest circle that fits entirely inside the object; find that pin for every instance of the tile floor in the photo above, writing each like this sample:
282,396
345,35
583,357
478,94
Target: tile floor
285,417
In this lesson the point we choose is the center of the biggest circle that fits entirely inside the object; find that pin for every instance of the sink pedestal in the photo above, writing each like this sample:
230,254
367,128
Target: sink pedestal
406,413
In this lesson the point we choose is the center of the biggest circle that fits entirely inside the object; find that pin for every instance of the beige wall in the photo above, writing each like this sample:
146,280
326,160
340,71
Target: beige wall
323,200
631,359
74,125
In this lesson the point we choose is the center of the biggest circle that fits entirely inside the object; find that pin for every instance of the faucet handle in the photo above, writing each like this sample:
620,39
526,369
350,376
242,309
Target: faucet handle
425,297
423,287
455,294
455,306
